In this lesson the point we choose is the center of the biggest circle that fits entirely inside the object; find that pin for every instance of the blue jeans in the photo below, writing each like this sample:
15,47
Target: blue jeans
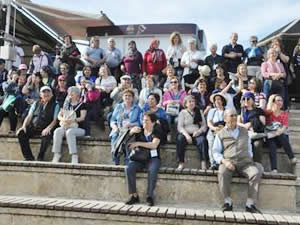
130,172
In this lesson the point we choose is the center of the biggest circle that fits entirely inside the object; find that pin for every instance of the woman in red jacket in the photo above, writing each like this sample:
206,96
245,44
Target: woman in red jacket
155,61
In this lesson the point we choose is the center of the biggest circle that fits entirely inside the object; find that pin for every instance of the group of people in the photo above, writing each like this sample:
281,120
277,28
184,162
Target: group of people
226,105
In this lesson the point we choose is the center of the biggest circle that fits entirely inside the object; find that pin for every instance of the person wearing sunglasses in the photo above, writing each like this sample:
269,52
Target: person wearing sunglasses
254,57
275,114
173,101
232,149
254,120
61,90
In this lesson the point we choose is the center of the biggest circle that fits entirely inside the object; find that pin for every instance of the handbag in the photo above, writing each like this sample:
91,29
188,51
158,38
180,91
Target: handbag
8,103
139,154
273,126
173,110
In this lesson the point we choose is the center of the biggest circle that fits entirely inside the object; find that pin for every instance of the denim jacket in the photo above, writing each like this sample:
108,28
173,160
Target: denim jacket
119,116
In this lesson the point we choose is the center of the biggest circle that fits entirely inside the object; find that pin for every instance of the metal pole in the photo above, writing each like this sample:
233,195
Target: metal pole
7,28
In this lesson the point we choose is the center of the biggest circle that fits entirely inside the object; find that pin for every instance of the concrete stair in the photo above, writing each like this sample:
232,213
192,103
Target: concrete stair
45,211
106,182
93,191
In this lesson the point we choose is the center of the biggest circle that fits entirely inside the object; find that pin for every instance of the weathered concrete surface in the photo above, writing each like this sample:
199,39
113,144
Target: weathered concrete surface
98,183
94,152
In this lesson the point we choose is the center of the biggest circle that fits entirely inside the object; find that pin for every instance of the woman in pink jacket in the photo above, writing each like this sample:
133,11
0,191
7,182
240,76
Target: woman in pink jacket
274,74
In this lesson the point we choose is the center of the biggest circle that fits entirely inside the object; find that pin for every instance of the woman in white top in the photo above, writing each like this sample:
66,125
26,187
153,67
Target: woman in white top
190,61
105,83
175,52
150,88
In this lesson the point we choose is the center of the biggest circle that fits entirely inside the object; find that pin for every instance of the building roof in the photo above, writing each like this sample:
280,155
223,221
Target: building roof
290,30
64,21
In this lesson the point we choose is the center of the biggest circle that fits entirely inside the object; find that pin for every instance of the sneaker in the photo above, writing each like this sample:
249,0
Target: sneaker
226,207
253,209
180,166
294,161
213,167
150,201
56,157
274,171
75,159
132,200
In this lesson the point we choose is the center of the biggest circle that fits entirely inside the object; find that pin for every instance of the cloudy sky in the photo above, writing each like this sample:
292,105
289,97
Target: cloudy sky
218,18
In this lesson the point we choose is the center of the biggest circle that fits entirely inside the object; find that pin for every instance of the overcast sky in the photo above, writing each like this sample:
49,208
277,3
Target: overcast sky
218,18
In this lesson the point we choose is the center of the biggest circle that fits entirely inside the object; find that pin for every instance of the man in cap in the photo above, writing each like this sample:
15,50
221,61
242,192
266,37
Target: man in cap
232,150
41,120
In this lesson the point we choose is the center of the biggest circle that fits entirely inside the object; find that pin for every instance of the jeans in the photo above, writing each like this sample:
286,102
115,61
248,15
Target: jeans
13,119
130,172
70,134
200,142
283,140
25,147
210,139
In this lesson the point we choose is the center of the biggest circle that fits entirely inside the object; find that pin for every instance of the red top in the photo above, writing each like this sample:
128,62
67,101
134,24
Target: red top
283,117
156,67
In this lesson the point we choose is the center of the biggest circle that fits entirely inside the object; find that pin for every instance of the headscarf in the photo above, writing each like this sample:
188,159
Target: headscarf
156,53
132,51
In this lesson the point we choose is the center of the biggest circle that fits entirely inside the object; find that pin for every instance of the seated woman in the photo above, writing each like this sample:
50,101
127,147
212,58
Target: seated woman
274,75
170,72
150,88
202,96
191,130
254,120
215,122
153,106
125,116
71,117
47,76
105,83
276,118
173,101
87,73
255,86
148,138
61,90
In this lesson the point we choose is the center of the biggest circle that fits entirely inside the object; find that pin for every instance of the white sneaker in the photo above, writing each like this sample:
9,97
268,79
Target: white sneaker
75,159
274,171
294,160
169,138
56,157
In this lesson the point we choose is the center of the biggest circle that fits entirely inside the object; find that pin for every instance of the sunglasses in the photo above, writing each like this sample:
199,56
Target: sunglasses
246,99
254,41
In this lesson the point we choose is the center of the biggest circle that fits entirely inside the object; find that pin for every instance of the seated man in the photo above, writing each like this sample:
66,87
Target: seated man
41,120
232,150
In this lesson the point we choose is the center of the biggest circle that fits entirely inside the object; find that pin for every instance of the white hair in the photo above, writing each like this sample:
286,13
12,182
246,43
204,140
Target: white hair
110,39
192,40
213,44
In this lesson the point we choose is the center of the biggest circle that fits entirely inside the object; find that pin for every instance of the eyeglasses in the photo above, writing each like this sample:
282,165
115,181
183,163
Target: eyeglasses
246,99
233,115
173,82
254,41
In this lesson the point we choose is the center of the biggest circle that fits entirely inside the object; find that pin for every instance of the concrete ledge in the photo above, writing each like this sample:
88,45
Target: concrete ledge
95,150
23,210
106,182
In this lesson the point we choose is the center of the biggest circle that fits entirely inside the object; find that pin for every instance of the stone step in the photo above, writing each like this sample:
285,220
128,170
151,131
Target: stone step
29,210
94,151
107,183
